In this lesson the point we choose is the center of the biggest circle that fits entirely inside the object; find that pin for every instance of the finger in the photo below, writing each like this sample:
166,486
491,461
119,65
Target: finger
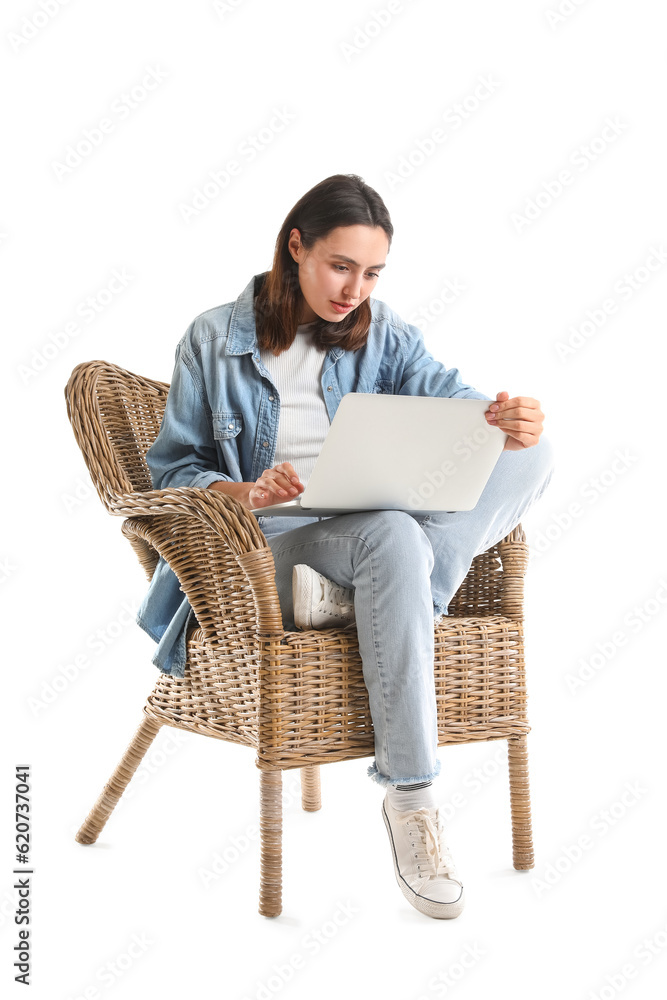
519,427
283,485
288,479
287,468
268,488
288,471
500,398
522,406
277,484
263,497
518,413
526,401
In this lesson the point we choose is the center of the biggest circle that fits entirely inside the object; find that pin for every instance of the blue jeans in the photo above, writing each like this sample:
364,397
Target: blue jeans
404,568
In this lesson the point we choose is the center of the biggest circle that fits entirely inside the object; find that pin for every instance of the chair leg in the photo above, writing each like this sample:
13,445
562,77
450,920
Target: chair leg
270,832
522,836
114,788
311,799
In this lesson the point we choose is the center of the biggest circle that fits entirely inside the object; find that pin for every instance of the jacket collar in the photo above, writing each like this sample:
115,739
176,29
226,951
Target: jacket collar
242,331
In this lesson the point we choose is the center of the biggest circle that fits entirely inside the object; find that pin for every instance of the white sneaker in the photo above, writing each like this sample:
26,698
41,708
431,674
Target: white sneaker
319,603
422,864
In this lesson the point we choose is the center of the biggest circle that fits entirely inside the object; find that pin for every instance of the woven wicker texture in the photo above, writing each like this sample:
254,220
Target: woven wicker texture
298,698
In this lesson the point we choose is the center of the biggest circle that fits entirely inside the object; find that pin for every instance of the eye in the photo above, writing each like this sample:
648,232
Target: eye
342,267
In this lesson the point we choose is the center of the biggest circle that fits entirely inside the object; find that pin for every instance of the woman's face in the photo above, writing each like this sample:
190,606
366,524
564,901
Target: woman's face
342,268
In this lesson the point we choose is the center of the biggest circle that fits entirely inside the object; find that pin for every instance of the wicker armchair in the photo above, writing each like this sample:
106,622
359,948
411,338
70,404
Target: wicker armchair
297,698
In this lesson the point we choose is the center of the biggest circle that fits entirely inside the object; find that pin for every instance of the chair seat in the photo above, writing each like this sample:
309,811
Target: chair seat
314,703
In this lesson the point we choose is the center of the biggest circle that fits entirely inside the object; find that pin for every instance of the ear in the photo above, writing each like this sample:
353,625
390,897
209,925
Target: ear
294,245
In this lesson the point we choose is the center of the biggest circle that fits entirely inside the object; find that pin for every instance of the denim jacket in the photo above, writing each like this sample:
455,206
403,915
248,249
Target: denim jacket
221,422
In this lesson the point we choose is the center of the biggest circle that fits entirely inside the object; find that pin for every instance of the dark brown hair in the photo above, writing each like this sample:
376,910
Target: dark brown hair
339,200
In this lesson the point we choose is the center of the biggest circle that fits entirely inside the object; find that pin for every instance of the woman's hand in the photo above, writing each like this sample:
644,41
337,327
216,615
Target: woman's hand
275,485
521,418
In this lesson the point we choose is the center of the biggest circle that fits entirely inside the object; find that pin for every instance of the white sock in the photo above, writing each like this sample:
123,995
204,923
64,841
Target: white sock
409,798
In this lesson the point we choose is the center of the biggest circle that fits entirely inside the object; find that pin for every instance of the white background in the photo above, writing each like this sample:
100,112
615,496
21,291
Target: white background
362,97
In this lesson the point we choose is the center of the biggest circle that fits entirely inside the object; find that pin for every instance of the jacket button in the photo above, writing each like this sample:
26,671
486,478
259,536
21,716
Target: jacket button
265,444
328,388
270,399
231,426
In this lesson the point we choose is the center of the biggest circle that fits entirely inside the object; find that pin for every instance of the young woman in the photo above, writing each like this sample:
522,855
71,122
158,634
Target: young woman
255,386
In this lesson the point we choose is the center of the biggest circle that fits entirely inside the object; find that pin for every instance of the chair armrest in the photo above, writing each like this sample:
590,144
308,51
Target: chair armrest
494,582
513,551
223,513
219,554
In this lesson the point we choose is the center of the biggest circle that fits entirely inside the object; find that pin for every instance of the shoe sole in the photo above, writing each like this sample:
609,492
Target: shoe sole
302,594
430,907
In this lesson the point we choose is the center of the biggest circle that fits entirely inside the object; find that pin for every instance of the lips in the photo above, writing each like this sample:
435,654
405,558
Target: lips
341,306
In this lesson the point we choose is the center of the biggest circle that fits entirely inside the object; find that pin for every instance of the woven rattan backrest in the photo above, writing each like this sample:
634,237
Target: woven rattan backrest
115,416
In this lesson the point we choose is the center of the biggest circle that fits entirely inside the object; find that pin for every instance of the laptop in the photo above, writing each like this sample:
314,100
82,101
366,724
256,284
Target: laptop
423,454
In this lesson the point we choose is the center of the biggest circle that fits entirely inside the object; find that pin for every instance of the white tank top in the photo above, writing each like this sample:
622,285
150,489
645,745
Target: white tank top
304,421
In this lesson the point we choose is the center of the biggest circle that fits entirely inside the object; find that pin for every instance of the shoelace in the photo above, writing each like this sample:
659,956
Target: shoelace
337,595
431,850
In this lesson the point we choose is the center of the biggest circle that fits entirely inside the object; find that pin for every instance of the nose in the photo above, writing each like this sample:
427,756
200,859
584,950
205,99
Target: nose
352,288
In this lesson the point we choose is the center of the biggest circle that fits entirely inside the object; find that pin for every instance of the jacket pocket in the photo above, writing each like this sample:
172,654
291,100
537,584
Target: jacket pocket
226,424
384,385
